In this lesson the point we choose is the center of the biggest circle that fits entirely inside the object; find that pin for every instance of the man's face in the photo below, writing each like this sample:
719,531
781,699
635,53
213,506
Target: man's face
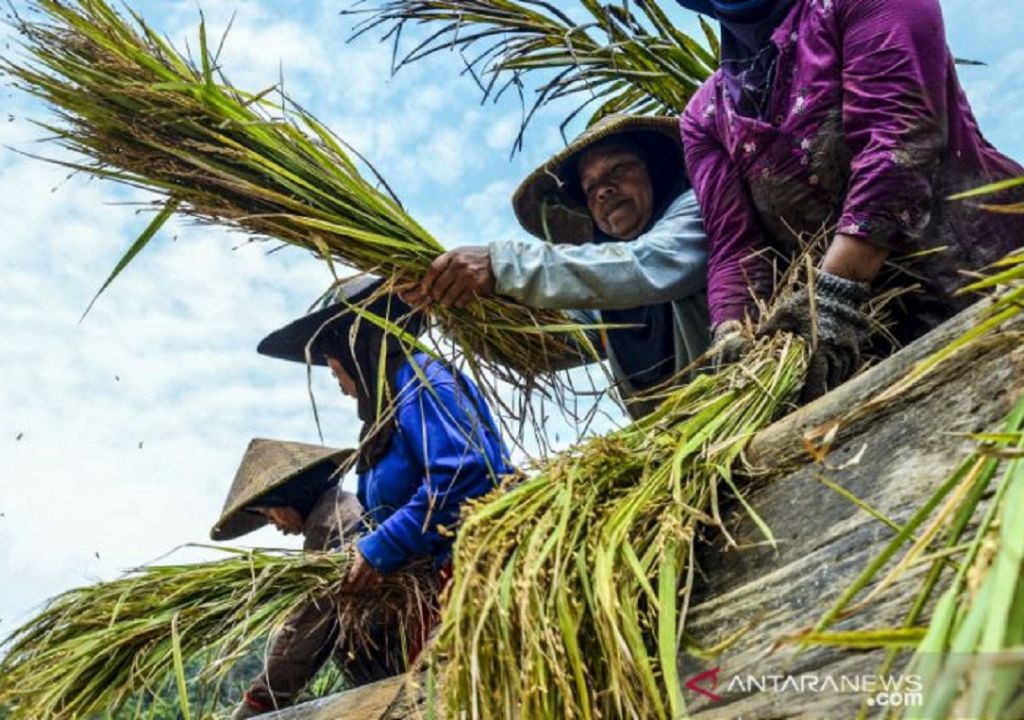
617,187
286,519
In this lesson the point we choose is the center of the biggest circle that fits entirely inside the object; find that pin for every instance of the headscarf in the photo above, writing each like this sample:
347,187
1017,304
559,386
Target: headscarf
335,328
357,346
748,53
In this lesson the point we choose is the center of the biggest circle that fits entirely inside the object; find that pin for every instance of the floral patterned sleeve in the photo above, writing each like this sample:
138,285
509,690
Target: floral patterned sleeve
730,220
895,69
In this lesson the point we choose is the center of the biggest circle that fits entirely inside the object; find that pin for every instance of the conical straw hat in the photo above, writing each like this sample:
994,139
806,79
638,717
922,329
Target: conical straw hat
544,202
268,465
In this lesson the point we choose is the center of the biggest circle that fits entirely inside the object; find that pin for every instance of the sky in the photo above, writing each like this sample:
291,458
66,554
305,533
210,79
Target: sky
120,435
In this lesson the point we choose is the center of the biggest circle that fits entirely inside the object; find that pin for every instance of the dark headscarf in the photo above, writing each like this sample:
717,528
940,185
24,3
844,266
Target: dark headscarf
748,53
361,346
358,347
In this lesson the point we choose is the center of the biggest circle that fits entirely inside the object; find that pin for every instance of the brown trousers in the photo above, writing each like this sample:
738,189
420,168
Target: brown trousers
304,644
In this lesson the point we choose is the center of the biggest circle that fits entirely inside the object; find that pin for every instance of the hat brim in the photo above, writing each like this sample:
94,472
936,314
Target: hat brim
543,204
237,519
291,341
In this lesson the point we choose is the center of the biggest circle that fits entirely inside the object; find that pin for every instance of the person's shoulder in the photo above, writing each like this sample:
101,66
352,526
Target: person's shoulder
683,203
422,373
683,208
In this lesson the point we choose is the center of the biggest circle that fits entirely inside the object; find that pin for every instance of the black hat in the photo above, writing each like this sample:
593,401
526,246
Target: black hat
336,312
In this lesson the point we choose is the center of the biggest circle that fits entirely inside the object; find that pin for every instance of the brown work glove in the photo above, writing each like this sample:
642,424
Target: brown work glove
841,329
729,343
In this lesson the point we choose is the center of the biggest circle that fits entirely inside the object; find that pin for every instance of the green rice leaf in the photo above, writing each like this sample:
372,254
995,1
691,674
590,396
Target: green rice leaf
154,226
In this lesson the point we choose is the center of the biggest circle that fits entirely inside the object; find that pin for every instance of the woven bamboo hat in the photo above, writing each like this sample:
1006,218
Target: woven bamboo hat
549,204
278,467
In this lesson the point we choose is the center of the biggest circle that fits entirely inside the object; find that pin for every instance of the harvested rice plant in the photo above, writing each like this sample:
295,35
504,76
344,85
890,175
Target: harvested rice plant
613,579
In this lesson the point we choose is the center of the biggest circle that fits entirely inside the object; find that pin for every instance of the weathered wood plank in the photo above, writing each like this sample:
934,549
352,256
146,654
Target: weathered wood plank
824,541
370,702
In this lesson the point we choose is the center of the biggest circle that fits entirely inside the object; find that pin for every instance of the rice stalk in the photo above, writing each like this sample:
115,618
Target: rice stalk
91,649
624,57
965,659
962,658
571,589
134,110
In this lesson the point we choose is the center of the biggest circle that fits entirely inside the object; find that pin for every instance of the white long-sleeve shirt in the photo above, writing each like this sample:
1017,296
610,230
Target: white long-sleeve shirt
668,263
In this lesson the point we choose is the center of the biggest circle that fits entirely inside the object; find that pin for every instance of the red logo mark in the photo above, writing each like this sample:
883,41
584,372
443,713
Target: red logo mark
694,683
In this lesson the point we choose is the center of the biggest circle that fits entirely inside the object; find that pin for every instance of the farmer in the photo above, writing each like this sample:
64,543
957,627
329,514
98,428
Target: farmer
429,444
848,115
623,237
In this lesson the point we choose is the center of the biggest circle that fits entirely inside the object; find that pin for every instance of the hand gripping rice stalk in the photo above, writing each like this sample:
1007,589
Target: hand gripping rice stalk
92,649
140,113
571,589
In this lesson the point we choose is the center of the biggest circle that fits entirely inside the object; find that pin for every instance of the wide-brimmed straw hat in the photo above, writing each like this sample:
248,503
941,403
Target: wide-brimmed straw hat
335,311
279,467
549,206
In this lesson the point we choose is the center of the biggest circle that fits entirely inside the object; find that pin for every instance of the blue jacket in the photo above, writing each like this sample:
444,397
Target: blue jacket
446,449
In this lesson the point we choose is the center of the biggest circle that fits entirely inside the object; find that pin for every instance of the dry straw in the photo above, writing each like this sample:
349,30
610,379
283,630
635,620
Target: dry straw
967,655
142,114
93,648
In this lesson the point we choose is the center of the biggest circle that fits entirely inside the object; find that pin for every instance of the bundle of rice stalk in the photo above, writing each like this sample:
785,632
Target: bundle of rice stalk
628,57
571,589
140,113
92,648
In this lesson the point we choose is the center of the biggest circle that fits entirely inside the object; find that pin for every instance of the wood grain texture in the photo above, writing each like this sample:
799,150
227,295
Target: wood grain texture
823,540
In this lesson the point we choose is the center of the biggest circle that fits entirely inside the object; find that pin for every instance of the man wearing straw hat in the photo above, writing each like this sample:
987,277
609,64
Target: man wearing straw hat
295,487
623,238
428,443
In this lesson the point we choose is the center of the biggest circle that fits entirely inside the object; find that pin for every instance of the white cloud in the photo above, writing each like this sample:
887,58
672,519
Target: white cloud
166,358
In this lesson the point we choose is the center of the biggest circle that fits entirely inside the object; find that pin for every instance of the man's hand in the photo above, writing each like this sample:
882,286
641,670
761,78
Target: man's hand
362,576
456,278
834,332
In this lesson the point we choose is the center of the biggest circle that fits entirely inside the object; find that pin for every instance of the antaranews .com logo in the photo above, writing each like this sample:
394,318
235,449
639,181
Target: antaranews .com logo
890,691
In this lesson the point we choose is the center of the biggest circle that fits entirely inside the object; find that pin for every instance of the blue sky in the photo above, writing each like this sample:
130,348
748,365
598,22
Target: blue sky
119,436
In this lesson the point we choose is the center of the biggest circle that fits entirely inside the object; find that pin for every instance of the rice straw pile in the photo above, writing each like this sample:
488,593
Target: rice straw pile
570,590
140,113
92,648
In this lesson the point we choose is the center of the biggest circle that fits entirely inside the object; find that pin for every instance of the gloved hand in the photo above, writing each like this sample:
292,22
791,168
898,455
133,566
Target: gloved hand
729,343
834,333
244,711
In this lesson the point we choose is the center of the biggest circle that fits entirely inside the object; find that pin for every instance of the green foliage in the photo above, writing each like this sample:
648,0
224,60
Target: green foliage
978,615
138,112
112,646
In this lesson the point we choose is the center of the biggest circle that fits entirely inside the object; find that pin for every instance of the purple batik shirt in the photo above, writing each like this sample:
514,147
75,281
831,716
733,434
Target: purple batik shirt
866,132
